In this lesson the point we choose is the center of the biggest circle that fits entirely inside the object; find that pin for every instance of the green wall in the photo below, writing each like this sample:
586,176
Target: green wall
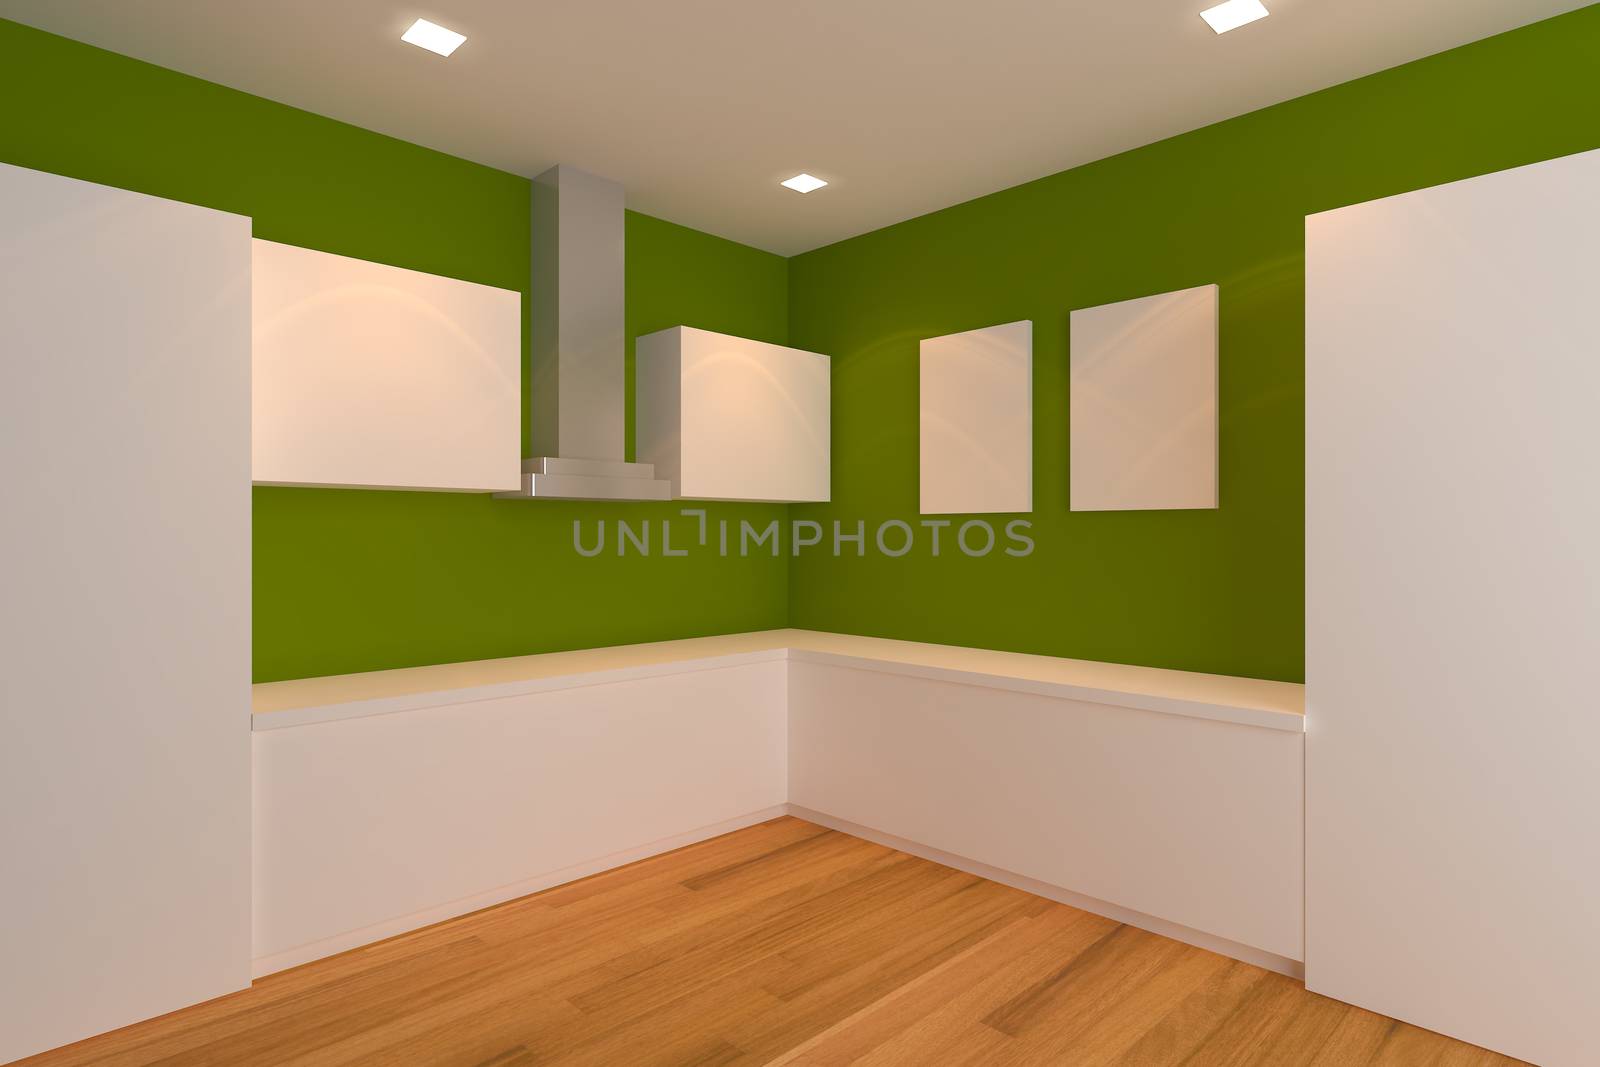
348,580
1215,590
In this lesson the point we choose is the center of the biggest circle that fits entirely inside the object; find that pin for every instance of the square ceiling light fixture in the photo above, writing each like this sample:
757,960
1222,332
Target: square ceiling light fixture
1233,14
433,37
803,183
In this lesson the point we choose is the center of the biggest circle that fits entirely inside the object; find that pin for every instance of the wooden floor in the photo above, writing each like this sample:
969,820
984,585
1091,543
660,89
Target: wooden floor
781,944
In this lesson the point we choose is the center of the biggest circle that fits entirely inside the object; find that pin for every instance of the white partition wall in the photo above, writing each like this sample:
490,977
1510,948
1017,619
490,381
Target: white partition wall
1144,403
1453,608
976,417
125,615
370,376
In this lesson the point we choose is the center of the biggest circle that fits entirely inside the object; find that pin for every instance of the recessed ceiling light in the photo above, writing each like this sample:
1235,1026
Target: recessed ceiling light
803,183
433,37
1233,14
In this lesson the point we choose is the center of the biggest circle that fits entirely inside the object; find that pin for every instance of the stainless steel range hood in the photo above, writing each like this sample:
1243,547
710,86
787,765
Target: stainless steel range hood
579,384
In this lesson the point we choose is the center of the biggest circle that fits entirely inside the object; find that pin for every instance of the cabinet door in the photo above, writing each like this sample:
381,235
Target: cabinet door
373,377
125,616
1453,608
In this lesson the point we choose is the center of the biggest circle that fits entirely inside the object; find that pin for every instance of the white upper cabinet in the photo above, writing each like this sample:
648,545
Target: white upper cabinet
1144,403
977,421
725,418
370,376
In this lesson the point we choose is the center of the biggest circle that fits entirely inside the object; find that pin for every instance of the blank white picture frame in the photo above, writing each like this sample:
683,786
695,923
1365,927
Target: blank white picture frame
369,376
976,401
1143,399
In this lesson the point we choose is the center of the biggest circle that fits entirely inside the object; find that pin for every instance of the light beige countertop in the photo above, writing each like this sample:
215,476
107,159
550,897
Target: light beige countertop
1249,701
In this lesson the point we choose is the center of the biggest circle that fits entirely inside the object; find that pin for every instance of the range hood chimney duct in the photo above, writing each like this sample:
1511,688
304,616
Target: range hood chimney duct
579,338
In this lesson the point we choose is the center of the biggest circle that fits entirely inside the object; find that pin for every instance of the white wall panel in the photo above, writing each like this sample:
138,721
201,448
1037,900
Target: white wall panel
125,610
1453,608
1190,820
1143,403
371,376
369,826
977,421
727,418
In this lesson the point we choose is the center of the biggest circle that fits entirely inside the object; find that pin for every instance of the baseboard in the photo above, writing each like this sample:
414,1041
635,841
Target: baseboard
1244,953
353,939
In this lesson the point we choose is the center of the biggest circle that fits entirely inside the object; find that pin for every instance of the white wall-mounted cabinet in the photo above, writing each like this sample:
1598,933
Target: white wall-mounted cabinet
1143,394
125,613
726,418
1453,608
370,376
976,407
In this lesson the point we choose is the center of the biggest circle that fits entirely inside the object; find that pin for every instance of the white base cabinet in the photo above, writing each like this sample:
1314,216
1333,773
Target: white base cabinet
1189,820
371,826
388,801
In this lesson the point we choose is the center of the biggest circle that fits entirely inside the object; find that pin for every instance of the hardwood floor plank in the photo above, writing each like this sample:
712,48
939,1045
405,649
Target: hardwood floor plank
907,882
1249,1030
820,1003
782,944
1184,1030
1111,1000
910,1005
1310,1022
955,1027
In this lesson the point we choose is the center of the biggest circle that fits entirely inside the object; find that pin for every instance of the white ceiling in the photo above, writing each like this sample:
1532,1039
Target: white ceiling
700,107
